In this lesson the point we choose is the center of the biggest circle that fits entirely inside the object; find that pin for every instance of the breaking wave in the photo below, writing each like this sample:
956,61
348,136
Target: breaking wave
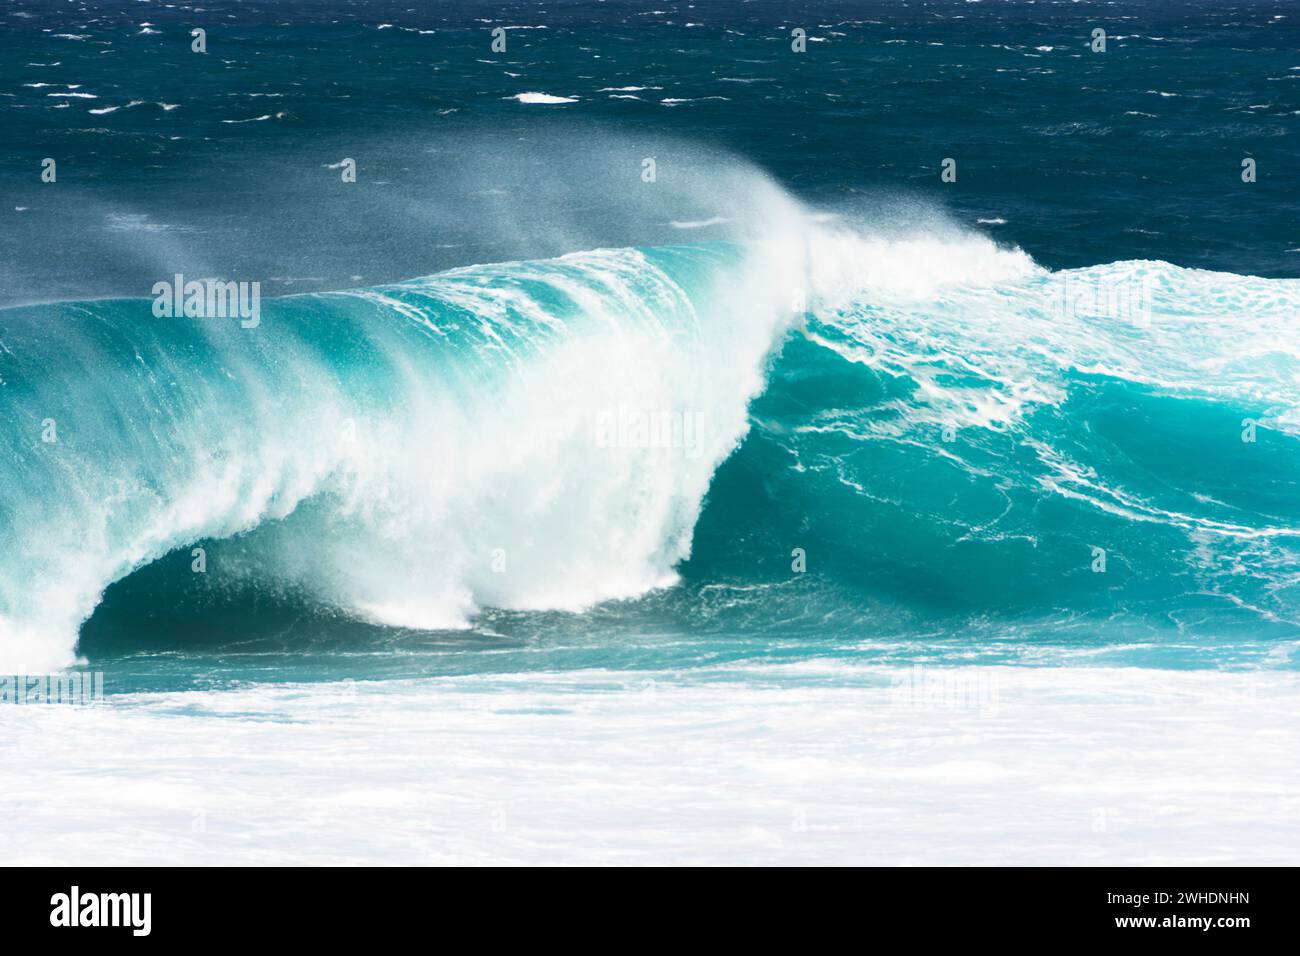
933,426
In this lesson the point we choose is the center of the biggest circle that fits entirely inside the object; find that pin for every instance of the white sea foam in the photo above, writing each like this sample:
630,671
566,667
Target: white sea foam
113,109
542,98
677,101
256,119
821,762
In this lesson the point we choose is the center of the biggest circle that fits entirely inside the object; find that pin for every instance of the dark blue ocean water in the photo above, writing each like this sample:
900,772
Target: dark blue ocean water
1134,153
1070,431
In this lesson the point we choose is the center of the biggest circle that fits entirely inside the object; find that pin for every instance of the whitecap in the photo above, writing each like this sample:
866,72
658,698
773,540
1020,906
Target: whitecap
113,109
542,98
256,119
674,101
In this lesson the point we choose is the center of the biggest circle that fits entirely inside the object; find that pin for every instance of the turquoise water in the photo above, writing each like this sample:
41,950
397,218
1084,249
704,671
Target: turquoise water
903,421
946,460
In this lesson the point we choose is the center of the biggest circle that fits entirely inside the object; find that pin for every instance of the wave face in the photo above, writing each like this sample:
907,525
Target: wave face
951,439
1098,458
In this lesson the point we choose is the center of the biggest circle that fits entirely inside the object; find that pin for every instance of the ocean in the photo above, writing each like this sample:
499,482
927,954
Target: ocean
846,432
